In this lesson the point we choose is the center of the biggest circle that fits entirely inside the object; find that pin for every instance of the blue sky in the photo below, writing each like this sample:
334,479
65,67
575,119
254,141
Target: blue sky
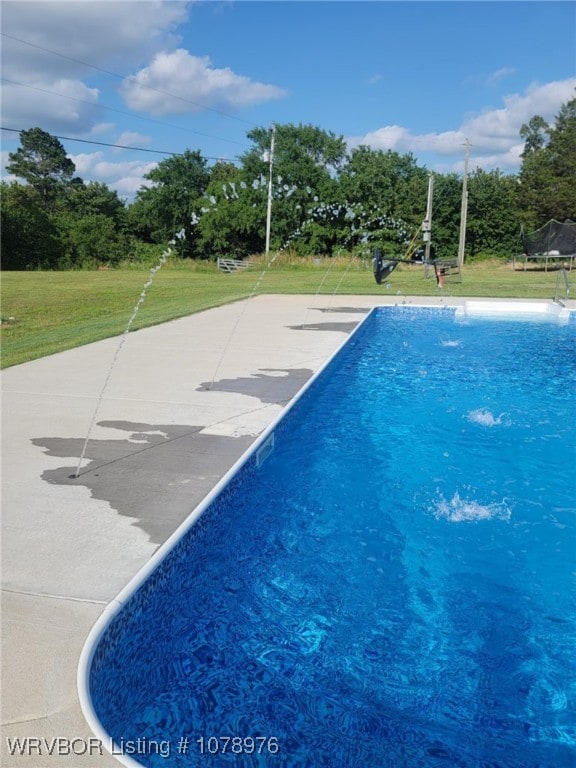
418,77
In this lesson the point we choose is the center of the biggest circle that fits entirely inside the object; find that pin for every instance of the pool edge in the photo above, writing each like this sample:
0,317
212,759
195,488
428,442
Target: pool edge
117,603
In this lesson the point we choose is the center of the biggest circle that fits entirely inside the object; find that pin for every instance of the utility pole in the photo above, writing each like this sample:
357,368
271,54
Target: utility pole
464,208
269,214
427,223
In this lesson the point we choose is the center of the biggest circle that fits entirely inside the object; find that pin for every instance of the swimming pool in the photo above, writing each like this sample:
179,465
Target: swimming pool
388,580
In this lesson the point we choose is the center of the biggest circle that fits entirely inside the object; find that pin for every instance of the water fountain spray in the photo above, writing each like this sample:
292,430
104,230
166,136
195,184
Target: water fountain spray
321,211
123,338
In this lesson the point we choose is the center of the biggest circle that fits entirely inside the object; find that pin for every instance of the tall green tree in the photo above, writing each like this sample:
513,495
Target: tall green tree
446,215
165,207
562,158
388,191
394,184
231,215
42,162
535,133
534,176
93,197
306,163
548,173
493,227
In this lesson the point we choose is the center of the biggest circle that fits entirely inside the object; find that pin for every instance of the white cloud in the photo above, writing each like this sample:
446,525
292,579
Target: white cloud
53,51
4,159
505,161
132,139
102,128
125,177
85,161
24,107
180,83
102,34
128,185
494,134
399,139
498,75
106,169
112,36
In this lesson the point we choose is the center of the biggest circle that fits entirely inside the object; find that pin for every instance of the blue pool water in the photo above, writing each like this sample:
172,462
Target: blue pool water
394,586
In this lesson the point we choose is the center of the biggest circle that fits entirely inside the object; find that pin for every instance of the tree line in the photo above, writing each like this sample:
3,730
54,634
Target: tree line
325,200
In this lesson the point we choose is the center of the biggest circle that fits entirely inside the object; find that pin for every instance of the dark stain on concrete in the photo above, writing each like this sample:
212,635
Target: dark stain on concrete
348,310
343,327
277,390
157,480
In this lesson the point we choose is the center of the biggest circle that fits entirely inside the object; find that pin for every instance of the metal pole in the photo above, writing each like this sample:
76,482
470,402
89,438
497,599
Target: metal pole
464,208
427,224
269,213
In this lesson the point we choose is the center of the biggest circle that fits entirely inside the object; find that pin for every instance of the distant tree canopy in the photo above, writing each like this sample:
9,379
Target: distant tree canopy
492,198
325,199
56,221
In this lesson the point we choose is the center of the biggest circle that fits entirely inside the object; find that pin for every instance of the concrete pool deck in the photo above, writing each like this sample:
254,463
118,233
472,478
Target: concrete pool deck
184,401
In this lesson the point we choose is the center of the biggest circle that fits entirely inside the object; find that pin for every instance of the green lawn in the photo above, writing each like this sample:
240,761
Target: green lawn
47,312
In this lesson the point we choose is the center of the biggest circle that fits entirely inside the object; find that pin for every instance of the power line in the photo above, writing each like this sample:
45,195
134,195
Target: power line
117,146
123,77
118,111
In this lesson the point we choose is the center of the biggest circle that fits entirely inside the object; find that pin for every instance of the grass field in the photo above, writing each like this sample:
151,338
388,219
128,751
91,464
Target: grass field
48,312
